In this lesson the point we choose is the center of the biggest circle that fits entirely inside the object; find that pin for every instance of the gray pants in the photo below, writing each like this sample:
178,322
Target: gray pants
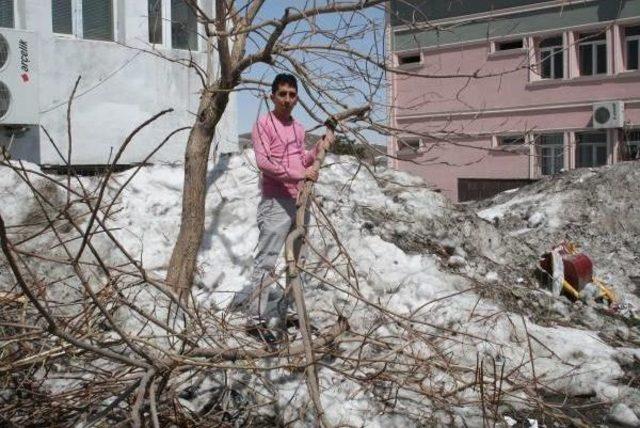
276,217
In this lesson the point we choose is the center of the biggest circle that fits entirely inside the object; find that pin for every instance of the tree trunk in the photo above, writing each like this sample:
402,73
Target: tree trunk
185,252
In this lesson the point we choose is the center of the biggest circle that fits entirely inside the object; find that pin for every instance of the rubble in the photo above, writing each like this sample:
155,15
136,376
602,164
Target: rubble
597,208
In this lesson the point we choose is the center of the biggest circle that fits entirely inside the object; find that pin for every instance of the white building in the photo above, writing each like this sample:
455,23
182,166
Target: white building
120,50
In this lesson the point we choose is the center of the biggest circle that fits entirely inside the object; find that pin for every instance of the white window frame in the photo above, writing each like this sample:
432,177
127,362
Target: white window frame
77,30
594,56
548,50
553,148
626,50
114,12
165,10
594,148
166,29
74,22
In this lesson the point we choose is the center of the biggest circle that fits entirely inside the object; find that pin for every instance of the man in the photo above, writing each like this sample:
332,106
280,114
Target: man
284,163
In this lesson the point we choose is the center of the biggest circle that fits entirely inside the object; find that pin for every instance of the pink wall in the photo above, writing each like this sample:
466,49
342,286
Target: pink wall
463,113
443,165
547,119
511,89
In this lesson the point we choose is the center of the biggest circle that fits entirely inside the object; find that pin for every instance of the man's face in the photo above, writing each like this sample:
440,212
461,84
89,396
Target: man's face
284,99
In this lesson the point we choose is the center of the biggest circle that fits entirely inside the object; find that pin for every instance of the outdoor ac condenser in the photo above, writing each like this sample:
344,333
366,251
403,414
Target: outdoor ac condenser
18,78
609,114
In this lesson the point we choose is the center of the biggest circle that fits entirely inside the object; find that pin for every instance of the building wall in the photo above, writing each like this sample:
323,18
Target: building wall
121,86
443,163
406,11
521,19
463,97
507,86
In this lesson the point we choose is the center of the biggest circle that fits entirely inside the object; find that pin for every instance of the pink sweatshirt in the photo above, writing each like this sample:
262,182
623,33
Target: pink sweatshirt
280,155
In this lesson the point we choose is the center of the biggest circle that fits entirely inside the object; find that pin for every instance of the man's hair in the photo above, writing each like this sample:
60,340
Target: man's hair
284,79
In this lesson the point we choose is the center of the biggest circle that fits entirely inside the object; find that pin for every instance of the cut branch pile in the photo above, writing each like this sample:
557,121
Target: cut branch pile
88,335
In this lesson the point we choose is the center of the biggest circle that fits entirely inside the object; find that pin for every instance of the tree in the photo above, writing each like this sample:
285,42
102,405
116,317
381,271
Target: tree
241,39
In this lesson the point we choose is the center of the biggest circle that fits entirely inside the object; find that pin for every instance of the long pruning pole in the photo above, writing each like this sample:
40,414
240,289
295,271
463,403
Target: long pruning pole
292,256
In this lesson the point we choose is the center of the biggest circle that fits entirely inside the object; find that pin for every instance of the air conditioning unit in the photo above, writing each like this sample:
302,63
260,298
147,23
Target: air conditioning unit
18,78
609,114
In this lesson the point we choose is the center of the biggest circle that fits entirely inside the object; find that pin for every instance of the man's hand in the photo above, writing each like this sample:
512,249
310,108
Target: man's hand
311,174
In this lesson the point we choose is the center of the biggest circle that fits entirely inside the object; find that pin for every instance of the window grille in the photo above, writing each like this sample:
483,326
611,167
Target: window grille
62,16
97,19
591,149
6,14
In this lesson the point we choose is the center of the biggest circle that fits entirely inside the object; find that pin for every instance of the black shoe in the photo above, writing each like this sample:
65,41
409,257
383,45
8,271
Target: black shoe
257,328
293,321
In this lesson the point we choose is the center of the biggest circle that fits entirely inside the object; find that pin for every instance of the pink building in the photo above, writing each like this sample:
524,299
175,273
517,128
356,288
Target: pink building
494,93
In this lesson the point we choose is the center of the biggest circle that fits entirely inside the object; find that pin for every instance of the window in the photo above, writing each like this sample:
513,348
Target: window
552,58
184,26
409,59
6,14
513,143
631,145
87,19
97,19
509,45
61,16
632,37
155,21
591,149
551,153
408,146
513,140
592,50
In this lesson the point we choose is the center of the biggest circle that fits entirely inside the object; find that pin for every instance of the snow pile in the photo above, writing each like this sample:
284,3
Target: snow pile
597,209
432,279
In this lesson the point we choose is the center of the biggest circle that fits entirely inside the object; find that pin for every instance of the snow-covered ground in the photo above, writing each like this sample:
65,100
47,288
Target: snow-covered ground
443,286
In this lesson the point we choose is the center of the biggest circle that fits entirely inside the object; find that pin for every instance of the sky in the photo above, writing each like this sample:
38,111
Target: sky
250,105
